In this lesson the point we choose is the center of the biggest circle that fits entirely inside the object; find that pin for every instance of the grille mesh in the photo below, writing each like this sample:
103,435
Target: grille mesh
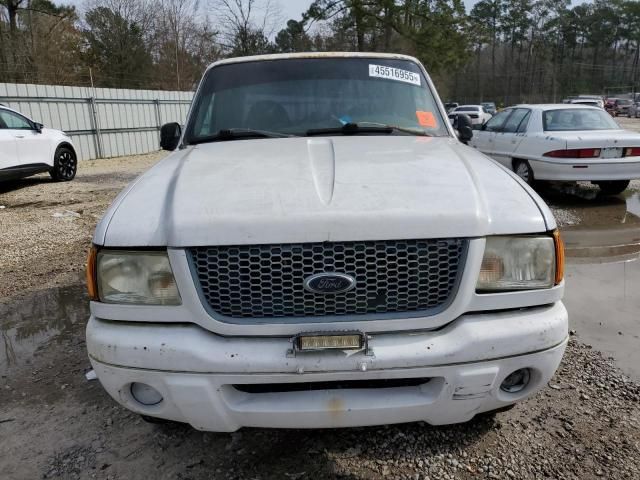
258,281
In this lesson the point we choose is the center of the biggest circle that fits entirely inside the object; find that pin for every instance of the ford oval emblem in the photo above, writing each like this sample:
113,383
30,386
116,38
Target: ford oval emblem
329,283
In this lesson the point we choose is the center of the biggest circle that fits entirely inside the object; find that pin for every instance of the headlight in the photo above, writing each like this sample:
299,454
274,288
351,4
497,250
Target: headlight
518,263
136,277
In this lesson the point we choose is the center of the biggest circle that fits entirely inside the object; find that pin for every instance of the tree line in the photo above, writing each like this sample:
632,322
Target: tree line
505,51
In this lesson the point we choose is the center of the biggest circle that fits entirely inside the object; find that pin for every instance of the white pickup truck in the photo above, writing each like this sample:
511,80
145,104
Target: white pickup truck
321,250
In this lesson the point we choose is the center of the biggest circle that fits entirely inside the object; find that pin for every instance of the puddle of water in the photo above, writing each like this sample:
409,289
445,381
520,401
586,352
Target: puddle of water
604,308
39,319
609,228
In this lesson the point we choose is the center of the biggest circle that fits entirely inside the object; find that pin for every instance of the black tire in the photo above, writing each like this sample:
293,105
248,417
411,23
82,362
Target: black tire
65,165
613,187
524,171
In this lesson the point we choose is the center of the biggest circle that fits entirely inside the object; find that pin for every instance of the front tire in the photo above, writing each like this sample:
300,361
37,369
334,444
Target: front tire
524,171
65,165
613,187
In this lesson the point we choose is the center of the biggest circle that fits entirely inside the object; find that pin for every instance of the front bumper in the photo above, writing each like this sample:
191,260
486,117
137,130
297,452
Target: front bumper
588,169
196,370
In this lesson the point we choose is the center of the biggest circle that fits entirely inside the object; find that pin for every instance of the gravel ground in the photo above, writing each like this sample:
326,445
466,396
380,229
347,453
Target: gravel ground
55,424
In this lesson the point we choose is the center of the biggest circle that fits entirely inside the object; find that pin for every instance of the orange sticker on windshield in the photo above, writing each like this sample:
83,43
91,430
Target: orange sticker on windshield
426,119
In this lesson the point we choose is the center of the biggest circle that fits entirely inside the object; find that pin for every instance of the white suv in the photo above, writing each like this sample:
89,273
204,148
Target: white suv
27,148
320,250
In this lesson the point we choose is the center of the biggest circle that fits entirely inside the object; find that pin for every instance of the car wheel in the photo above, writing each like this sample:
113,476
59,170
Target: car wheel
524,171
65,165
613,187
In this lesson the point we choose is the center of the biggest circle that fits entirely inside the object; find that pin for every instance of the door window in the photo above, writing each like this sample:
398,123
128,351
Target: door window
522,128
14,121
494,124
513,123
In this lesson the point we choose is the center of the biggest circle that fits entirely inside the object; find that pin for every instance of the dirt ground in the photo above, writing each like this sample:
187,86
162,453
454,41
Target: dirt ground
56,424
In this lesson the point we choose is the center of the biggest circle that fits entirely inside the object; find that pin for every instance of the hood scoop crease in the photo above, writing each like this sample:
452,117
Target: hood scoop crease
323,167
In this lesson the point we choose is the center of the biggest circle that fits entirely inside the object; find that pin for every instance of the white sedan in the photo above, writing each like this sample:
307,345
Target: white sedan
562,142
476,113
27,148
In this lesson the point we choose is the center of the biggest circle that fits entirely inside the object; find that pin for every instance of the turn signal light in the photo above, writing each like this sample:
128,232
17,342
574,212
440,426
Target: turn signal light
632,152
574,153
559,244
92,281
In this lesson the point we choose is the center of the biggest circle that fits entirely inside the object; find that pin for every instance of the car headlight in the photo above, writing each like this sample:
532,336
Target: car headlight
521,263
135,278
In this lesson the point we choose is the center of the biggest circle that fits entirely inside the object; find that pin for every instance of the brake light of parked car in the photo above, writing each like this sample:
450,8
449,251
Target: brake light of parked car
574,153
632,152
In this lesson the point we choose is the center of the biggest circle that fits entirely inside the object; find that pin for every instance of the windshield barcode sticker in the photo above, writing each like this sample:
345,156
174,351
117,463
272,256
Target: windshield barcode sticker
391,73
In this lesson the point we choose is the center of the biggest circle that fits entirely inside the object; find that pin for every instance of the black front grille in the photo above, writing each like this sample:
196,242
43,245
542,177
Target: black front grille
258,281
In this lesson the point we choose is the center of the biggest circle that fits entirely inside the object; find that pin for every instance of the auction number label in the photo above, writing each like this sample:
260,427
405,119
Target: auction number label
391,73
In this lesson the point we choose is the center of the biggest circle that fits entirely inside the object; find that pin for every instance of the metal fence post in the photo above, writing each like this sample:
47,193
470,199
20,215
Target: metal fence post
158,119
96,127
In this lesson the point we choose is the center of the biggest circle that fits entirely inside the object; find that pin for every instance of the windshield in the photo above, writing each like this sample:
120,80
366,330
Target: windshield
577,119
293,96
467,109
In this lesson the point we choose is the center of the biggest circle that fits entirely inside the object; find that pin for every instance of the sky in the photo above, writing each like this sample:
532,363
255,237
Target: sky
289,8
294,8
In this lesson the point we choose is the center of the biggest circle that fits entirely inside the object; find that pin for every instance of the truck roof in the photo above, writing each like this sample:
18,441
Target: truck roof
282,56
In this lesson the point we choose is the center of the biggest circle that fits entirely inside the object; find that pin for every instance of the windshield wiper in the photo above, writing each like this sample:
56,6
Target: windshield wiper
364,127
237,134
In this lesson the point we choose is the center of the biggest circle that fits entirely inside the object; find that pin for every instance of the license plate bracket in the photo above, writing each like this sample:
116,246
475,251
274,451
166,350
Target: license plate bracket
611,152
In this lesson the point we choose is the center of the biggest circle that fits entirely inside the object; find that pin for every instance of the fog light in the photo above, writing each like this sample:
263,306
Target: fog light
516,381
145,394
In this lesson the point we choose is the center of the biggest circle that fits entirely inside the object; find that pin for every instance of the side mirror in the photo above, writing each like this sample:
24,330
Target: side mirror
38,127
464,127
170,134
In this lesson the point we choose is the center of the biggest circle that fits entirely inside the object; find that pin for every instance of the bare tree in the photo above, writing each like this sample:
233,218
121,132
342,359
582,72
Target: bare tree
247,25
184,41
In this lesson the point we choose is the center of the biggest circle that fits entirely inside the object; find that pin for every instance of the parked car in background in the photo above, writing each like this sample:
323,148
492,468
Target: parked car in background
610,106
490,108
599,99
283,269
27,148
562,142
592,102
476,113
634,110
622,106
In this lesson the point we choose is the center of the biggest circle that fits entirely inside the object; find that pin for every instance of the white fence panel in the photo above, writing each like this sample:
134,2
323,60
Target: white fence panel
102,122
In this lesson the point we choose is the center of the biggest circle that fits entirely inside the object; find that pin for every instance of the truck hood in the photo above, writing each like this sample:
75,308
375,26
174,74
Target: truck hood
321,189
